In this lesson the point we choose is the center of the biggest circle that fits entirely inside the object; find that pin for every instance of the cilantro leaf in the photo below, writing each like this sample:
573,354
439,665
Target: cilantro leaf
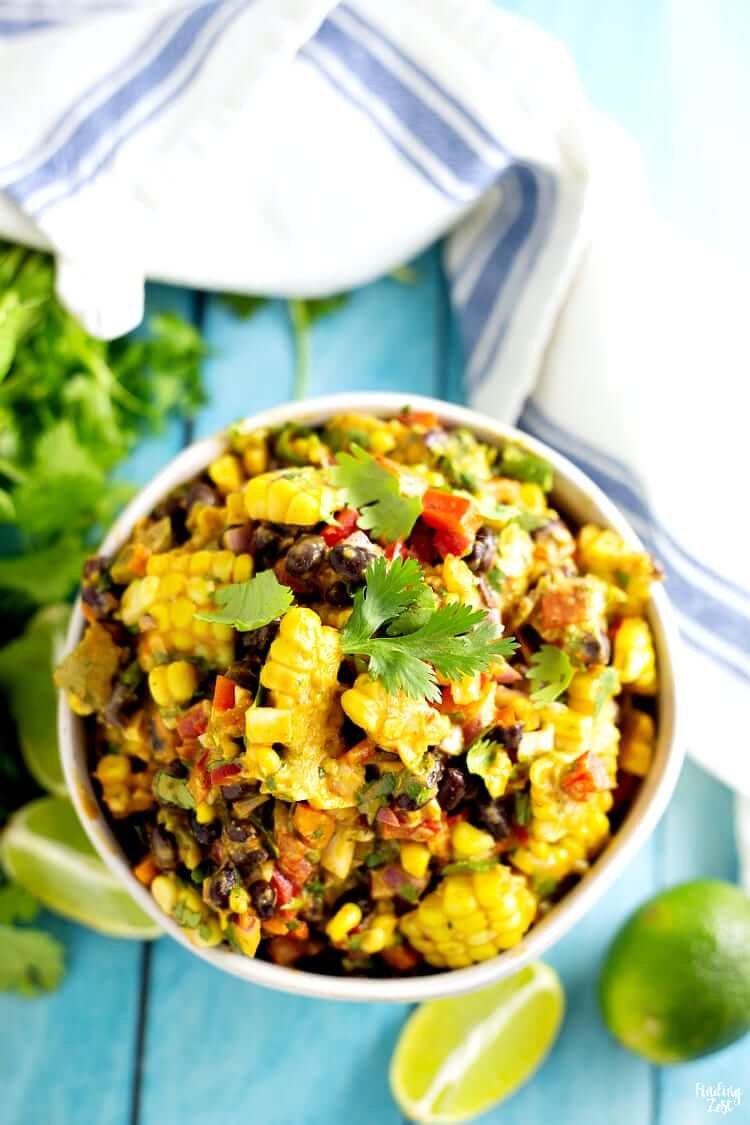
302,315
389,591
462,866
16,904
32,961
243,305
521,465
551,671
481,755
455,641
252,604
376,494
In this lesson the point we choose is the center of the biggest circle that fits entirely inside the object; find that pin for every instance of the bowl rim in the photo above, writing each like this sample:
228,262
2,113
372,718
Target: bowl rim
650,802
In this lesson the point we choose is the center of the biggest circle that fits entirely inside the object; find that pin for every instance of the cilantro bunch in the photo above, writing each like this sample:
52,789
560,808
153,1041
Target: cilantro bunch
71,408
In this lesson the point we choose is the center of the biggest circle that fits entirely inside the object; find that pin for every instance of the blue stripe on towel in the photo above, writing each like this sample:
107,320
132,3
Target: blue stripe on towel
694,601
62,166
427,126
441,94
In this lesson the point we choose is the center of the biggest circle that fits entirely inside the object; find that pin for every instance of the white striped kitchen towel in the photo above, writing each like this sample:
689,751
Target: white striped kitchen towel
299,147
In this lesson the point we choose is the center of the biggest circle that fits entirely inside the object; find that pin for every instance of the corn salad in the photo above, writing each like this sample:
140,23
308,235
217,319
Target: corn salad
275,791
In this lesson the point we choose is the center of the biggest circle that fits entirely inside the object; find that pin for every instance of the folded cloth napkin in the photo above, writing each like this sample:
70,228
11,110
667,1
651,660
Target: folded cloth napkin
233,143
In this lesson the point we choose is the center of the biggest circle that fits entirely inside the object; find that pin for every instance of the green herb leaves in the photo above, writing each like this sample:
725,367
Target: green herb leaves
252,604
454,641
552,671
520,465
32,961
376,493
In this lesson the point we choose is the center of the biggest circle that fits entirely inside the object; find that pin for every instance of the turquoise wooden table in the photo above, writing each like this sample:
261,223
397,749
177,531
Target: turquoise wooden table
147,1034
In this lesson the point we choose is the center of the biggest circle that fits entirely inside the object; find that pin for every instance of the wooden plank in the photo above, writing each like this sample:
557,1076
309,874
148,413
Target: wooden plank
698,843
216,1048
69,1056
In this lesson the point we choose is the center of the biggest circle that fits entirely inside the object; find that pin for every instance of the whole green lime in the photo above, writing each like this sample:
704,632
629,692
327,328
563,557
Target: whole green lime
675,983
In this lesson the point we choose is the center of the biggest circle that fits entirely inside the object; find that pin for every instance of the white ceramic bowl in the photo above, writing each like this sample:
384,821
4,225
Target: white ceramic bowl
578,498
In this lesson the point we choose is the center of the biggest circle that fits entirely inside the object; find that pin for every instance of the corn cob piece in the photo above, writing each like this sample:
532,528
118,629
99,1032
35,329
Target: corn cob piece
591,688
572,730
471,917
226,473
163,604
395,721
296,496
540,859
554,813
634,656
301,675
605,553
124,792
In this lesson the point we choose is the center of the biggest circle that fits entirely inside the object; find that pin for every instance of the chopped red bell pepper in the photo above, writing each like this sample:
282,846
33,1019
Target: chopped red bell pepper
223,694
422,544
445,509
422,418
347,523
285,888
455,542
219,774
194,722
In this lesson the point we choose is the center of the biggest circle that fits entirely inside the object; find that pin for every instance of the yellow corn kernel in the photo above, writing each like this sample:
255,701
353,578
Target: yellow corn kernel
247,938
382,441
255,457
266,725
467,690
204,813
268,761
164,891
469,842
226,473
532,497
172,684
373,940
459,580
638,741
415,858
239,900
242,568
572,730
346,919
338,855
395,721
182,680
634,657
113,768
138,597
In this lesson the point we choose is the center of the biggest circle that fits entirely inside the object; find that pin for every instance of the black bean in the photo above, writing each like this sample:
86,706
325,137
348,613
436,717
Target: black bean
595,648
205,834
237,833
337,594
220,886
201,492
350,562
304,555
258,641
237,790
405,802
495,817
163,849
482,553
266,546
508,737
452,789
263,898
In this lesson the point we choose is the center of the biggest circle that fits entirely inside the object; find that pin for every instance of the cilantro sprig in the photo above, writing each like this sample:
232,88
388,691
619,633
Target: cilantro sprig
376,494
252,604
455,640
552,671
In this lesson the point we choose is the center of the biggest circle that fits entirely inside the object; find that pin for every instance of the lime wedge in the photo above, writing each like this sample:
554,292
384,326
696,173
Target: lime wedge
45,849
456,1058
26,666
